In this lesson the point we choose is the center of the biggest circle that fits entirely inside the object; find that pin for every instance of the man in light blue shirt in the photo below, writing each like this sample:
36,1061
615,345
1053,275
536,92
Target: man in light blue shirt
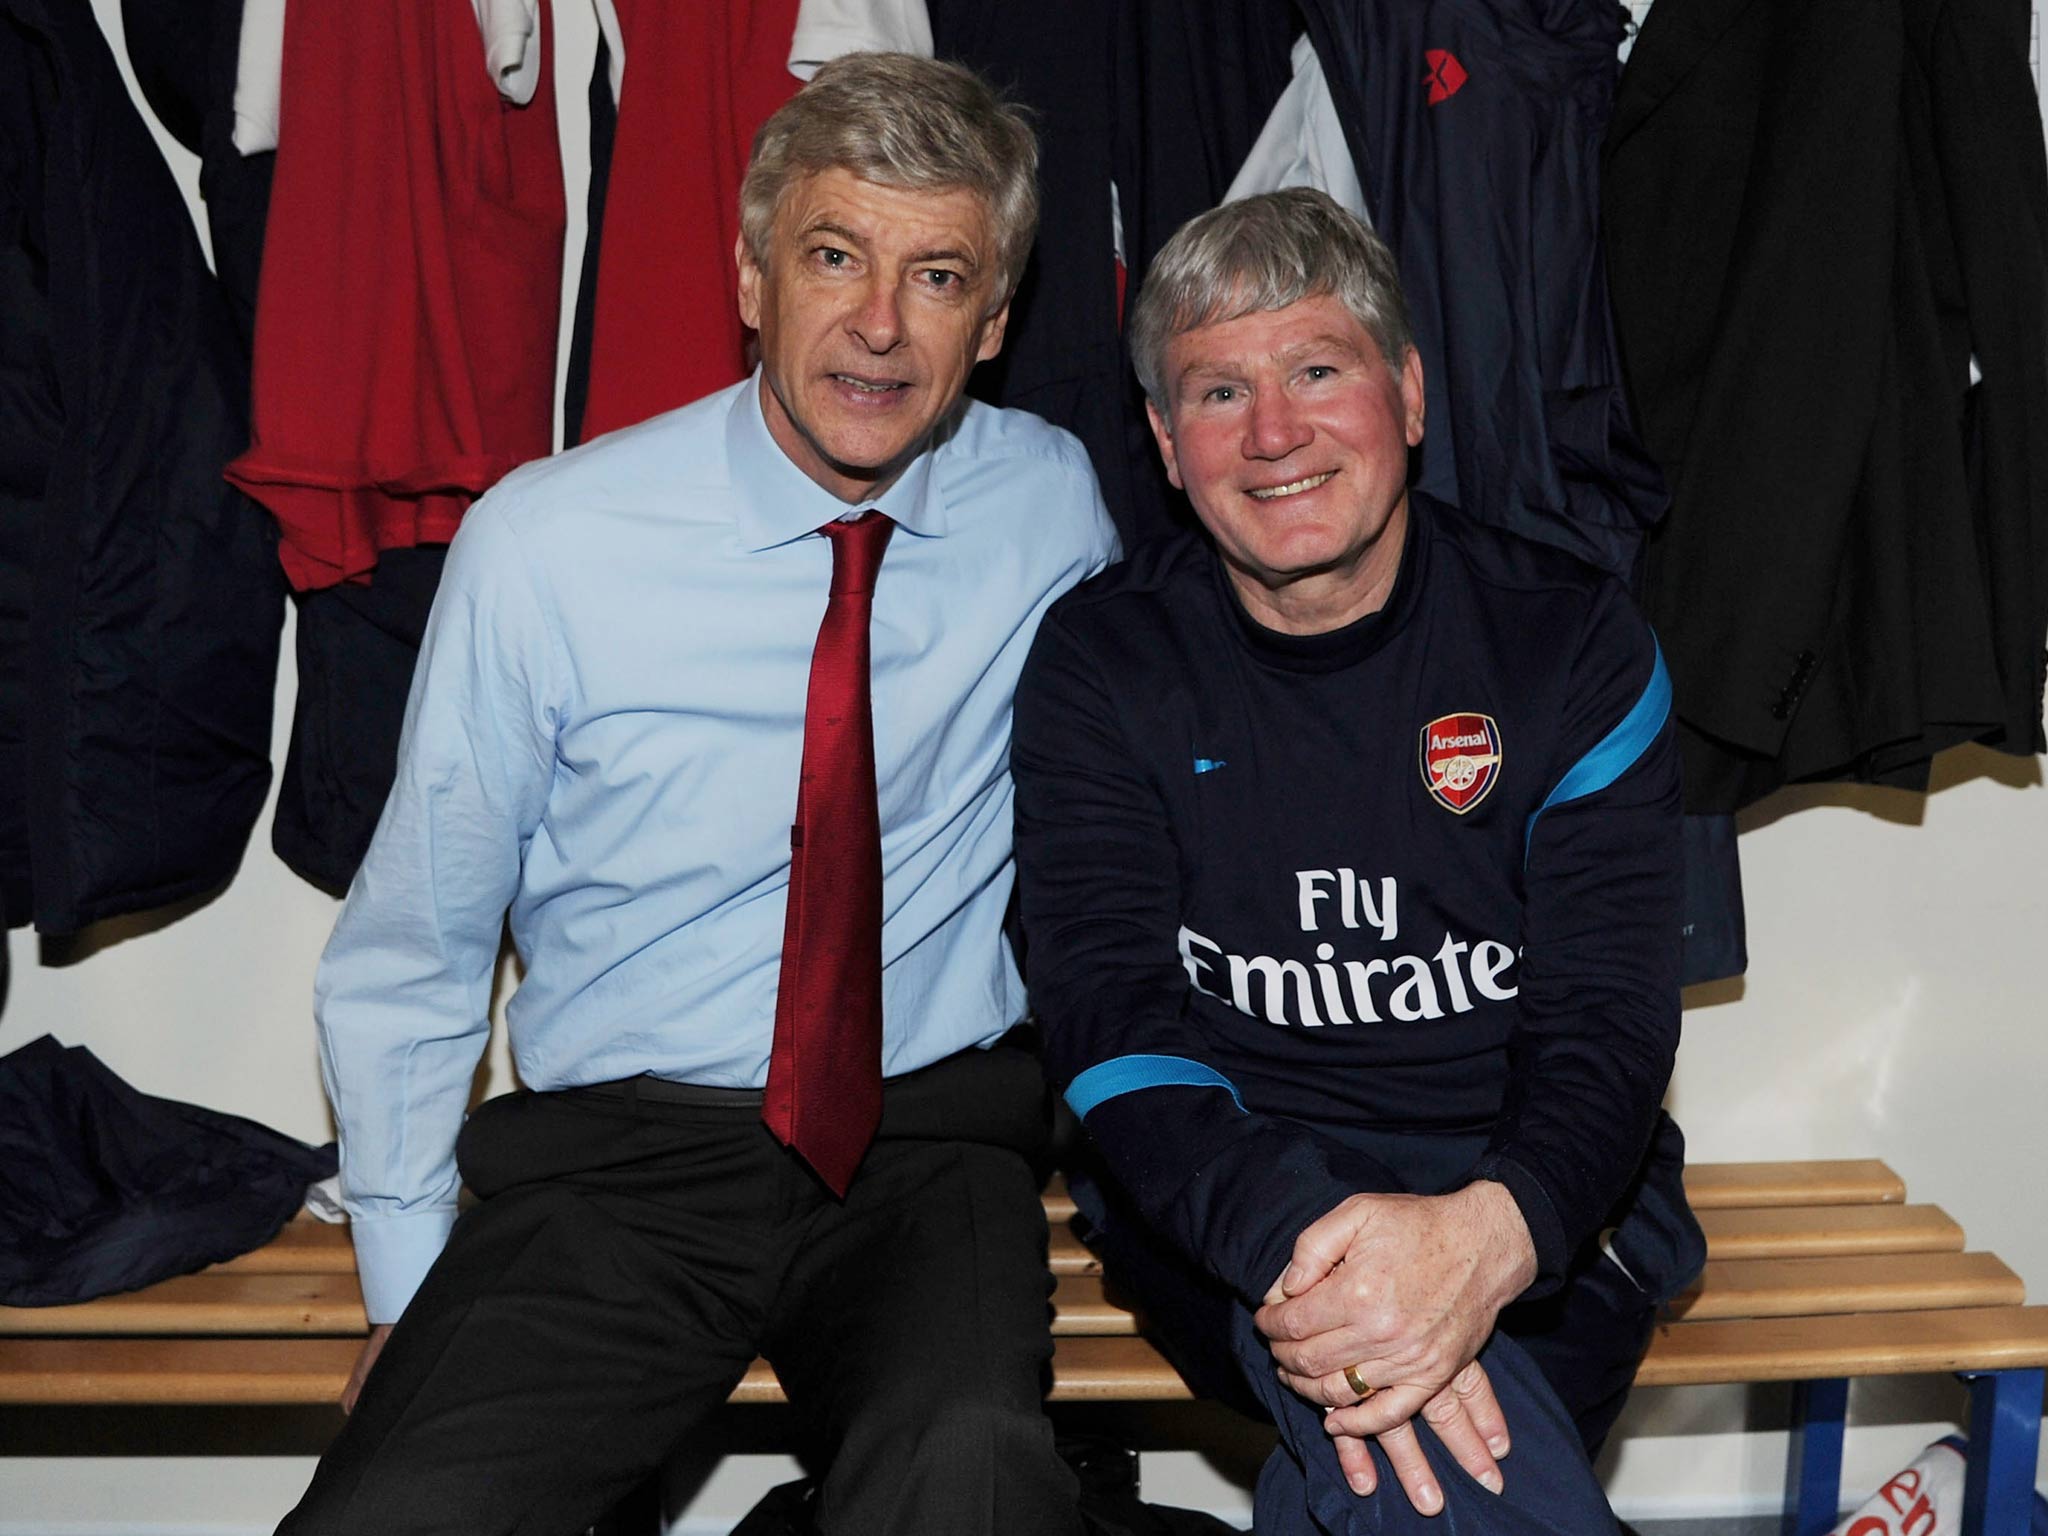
603,741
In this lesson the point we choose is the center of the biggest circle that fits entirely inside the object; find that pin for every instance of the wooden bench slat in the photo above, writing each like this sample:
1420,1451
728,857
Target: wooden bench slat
215,1303
1763,1232
231,1299
1068,1255
280,1371
1081,1309
1892,1282
1812,1232
208,1372
1113,1370
1059,1205
1865,1344
211,1302
304,1247
1849,1181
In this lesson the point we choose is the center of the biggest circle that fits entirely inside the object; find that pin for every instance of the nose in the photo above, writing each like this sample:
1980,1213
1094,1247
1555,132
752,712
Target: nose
878,319
1274,428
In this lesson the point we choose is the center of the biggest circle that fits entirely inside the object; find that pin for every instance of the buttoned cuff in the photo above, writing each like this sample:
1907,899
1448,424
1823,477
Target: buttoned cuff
393,1255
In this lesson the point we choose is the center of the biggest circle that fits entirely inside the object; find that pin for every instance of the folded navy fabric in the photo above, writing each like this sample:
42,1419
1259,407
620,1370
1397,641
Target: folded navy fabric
105,1189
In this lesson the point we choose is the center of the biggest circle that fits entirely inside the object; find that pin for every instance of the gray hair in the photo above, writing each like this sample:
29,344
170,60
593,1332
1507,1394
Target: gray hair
901,121
1263,253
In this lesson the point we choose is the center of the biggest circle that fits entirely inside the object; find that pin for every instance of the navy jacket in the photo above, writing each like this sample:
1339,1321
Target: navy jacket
140,596
1476,126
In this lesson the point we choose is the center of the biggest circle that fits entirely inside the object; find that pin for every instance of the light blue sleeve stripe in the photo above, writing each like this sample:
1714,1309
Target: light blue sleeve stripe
1127,1074
1618,749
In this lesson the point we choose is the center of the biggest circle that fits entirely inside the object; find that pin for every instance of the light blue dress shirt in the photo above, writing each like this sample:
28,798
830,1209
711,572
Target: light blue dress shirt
604,737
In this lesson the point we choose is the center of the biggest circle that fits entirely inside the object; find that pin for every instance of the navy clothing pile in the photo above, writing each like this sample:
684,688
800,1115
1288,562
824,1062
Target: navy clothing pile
104,1189
140,598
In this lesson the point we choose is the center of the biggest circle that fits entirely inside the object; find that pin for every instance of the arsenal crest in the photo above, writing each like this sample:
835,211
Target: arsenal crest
1460,759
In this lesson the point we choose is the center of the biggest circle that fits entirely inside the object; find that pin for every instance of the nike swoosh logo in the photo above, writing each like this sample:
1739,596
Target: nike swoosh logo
1209,764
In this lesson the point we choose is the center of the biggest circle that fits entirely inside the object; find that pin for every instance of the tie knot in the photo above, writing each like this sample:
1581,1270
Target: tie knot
857,545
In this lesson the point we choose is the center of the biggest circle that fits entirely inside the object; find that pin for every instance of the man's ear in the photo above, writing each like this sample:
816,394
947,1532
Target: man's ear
992,331
750,283
1411,395
1162,433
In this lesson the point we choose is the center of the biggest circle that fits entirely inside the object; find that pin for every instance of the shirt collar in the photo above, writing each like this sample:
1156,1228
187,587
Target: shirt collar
778,502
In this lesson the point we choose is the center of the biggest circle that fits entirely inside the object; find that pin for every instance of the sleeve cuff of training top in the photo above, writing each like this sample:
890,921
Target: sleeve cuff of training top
1539,1214
1231,1191
393,1255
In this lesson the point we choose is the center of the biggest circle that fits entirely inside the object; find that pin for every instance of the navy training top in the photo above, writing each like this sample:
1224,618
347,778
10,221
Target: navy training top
1416,880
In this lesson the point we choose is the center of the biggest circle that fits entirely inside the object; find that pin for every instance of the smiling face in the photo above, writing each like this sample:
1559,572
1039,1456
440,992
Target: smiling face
1290,435
873,305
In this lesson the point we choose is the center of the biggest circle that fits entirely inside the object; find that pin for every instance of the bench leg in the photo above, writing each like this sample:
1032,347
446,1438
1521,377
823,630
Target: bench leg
2005,1443
1813,1470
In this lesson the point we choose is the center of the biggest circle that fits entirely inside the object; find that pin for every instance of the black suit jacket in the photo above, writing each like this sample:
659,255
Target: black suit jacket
1817,212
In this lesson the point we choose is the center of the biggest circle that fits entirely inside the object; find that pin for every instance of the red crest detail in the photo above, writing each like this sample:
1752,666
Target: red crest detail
1445,75
1460,759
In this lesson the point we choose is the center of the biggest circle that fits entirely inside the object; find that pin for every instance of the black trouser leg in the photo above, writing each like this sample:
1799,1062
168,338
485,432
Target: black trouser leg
602,1299
628,1259
912,1330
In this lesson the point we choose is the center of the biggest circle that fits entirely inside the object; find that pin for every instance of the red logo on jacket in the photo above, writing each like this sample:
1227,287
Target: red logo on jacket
1445,75
1460,759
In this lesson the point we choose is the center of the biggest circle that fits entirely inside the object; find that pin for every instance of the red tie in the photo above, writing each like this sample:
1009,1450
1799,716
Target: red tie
824,1094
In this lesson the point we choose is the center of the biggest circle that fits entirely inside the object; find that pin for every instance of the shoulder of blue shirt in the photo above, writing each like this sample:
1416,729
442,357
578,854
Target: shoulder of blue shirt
684,450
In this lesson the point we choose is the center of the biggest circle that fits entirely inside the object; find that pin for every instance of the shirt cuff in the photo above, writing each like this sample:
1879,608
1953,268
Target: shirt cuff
1539,1214
393,1255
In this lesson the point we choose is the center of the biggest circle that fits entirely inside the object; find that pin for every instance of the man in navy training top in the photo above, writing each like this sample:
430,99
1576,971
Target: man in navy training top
1348,842
604,739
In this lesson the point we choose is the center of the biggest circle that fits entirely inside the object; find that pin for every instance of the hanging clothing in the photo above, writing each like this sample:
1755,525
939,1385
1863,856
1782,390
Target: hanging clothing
1828,228
665,326
356,645
1147,107
105,1189
825,29
604,131
1303,143
1476,126
355,642
511,32
405,328
186,64
139,598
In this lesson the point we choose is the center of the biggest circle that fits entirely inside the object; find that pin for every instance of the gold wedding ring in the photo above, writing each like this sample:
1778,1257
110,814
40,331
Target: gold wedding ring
1358,1383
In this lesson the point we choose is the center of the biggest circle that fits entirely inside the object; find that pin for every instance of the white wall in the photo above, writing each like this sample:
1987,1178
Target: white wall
1893,1009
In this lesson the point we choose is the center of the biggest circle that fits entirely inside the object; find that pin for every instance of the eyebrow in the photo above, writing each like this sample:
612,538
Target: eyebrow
947,253
827,227
1199,371
966,258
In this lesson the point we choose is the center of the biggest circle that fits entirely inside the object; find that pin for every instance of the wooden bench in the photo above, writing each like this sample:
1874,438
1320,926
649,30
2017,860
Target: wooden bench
1817,1272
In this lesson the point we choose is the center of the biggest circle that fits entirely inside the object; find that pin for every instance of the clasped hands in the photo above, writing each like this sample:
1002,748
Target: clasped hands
1405,1290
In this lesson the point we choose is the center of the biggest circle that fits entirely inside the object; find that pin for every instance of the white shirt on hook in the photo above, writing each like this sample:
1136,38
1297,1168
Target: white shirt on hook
827,28
1302,144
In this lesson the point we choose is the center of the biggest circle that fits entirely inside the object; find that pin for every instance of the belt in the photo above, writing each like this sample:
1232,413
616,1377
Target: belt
660,1090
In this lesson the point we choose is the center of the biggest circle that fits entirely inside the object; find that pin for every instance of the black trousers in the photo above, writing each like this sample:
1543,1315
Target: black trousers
629,1258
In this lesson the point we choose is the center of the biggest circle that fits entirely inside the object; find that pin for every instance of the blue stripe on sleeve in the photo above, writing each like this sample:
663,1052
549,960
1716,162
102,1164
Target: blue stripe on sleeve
1127,1074
1618,750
